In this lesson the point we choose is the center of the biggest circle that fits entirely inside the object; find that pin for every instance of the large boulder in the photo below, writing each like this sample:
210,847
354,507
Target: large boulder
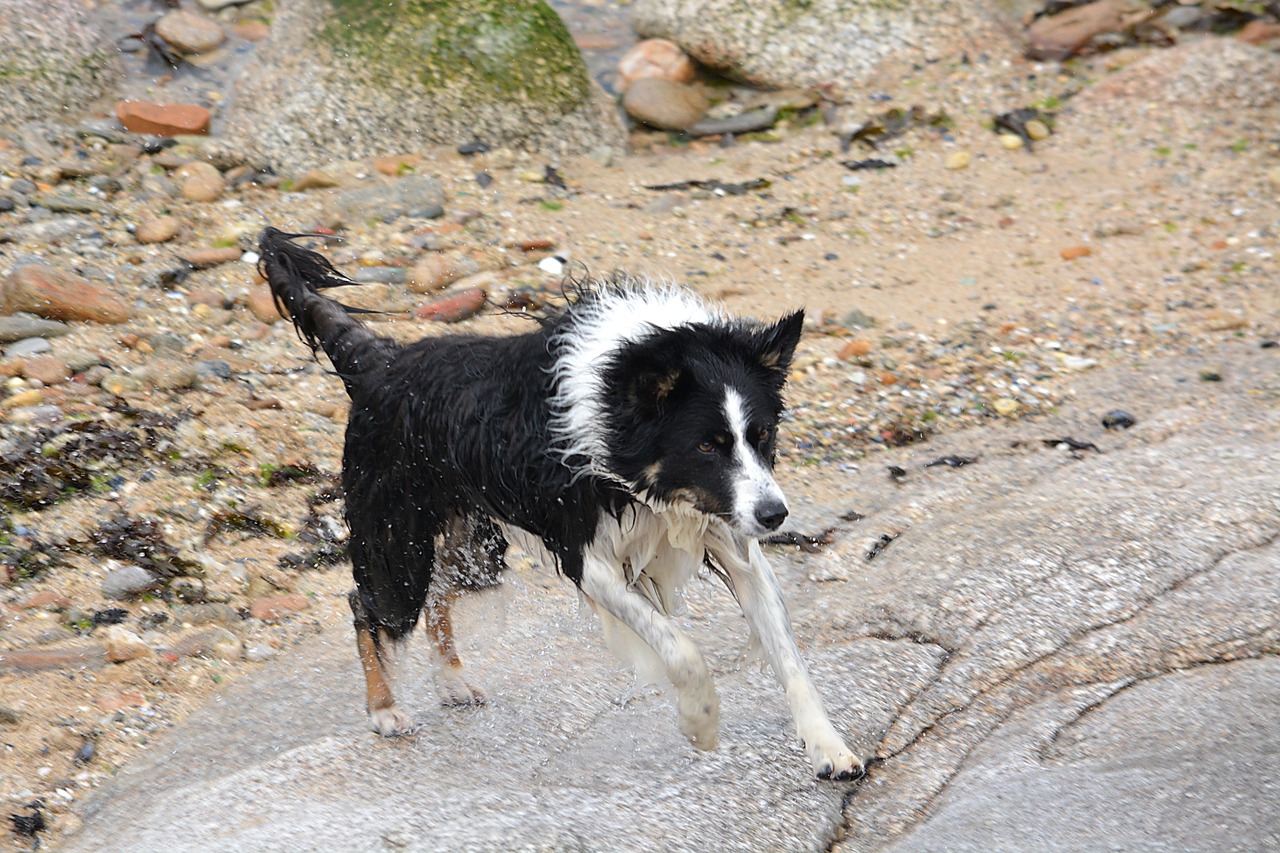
348,79
54,60
835,43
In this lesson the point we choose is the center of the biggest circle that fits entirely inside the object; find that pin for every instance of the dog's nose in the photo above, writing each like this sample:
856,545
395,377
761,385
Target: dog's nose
771,514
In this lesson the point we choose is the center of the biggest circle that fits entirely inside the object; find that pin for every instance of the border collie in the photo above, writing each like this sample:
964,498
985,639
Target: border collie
633,436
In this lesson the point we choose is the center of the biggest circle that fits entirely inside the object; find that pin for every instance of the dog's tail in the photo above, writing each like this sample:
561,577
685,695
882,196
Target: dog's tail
297,276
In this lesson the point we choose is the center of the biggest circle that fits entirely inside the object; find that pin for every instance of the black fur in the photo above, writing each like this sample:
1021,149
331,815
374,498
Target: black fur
460,427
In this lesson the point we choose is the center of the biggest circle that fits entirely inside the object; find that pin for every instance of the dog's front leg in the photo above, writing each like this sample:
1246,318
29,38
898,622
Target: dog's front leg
604,584
756,587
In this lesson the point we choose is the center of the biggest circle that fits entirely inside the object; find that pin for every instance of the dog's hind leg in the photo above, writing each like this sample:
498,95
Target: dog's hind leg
377,658
604,584
451,684
470,558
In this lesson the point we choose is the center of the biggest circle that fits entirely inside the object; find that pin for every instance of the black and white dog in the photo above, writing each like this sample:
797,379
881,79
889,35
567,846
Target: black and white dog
633,436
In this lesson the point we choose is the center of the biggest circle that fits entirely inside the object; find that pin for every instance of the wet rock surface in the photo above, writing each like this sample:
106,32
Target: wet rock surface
1045,628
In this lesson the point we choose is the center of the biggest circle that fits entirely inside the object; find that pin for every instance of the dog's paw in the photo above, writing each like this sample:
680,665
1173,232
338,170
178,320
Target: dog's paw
700,718
836,762
455,691
390,722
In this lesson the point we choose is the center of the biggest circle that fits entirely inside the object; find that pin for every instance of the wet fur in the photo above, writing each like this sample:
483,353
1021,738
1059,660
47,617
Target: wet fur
632,436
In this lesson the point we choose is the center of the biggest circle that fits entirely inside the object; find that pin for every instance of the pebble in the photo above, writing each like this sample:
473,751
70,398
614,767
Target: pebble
199,181
216,642
655,58
204,258
206,614
438,271
123,645
1071,253
396,164
189,32
958,160
1118,419
34,397
455,307
271,608
128,581
22,325
1037,130
1011,141
57,295
854,349
663,104
319,178
384,203
253,30
262,304
48,369
1211,374
9,716
158,229
1006,406
163,119
28,346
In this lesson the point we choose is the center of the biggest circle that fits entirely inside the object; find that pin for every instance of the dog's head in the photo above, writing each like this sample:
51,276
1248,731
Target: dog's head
692,418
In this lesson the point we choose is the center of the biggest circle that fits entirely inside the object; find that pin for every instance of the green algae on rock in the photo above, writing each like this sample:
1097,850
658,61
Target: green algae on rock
349,79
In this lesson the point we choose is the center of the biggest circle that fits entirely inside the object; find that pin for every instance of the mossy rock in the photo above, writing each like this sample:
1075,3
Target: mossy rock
54,61
347,79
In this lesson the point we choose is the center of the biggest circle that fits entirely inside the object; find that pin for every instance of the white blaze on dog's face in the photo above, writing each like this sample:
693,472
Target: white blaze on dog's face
758,507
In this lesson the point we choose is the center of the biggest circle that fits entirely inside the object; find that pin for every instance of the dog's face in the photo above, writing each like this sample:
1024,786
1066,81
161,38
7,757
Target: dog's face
694,418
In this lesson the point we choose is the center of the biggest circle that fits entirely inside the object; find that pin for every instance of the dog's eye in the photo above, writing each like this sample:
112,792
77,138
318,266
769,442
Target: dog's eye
712,444
763,437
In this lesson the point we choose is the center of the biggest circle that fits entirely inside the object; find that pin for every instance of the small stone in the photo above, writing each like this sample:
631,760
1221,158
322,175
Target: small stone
120,384
49,369
315,179
163,119
1071,253
256,654
273,607
189,32
128,581
51,293
199,181
37,660
854,349
159,229
252,30
1211,374
1118,419
455,307
1006,406
45,600
207,614
204,258
958,160
123,645
438,271
655,58
1037,130
22,399
262,304
1011,141
664,104
216,642
175,376
9,716
24,325
28,346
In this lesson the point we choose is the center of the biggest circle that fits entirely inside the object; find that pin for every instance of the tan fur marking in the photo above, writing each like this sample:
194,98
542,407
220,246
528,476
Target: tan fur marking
440,629
377,691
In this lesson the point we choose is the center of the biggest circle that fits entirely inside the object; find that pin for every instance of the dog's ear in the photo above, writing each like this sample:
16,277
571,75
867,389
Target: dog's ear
776,344
651,371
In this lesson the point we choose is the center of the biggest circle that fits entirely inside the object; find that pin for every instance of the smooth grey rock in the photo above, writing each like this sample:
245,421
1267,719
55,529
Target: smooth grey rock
837,43
384,202
663,104
28,346
354,80
128,581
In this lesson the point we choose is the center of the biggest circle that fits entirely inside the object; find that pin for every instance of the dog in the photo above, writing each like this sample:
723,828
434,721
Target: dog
634,435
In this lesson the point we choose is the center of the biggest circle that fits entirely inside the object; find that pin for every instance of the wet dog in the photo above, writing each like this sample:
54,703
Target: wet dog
633,435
